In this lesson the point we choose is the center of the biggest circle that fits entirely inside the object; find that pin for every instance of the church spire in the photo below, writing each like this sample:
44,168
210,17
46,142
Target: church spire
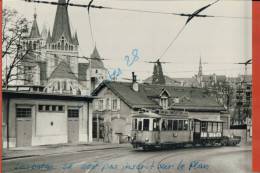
200,68
35,30
158,77
62,24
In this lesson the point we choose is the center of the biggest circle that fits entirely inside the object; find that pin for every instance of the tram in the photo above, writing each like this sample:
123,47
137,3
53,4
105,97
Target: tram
151,130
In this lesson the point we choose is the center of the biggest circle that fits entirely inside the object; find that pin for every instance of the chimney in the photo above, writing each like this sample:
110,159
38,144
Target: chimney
133,77
135,85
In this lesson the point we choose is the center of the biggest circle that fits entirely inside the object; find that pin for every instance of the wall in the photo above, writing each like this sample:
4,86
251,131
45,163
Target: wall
42,132
119,121
205,115
4,123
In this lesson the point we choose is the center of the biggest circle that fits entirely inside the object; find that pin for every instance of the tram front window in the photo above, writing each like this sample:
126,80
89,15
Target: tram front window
155,124
140,125
185,127
175,124
146,125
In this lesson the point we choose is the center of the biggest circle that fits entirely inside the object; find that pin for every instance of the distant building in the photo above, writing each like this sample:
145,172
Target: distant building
33,118
159,78
209,81
242,100
54,62
119,100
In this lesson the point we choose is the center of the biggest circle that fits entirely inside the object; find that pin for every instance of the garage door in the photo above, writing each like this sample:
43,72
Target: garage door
23,126
73,125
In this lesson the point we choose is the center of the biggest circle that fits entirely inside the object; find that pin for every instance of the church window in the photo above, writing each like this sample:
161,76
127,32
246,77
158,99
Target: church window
72,48
34,45
62,43
64,85
30,45
52,46
66,46
58,46
58,85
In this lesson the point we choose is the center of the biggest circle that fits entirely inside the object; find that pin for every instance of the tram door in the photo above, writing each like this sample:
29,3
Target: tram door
191,129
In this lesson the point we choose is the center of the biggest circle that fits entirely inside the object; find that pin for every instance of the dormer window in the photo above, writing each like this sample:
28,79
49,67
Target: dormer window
164,102
164,99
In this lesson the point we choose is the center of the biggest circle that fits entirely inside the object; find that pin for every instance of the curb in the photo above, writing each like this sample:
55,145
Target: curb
59,153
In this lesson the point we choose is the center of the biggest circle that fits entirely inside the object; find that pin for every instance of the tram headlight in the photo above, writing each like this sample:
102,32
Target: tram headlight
146,139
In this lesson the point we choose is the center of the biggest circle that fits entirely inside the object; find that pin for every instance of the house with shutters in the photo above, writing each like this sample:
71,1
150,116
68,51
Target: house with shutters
117,101
53,63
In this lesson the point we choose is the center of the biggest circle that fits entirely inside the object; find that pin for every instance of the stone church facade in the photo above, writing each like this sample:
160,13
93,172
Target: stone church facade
53,62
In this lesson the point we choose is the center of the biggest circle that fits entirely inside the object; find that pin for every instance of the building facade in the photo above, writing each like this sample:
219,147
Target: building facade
118,101
53,59
31,119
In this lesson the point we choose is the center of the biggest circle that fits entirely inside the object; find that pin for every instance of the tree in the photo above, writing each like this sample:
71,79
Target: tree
14,30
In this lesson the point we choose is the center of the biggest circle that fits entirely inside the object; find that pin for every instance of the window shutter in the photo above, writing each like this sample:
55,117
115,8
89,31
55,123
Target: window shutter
96,104
104,104
109,104
118,104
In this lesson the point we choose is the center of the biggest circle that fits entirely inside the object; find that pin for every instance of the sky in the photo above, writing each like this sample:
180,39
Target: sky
220,42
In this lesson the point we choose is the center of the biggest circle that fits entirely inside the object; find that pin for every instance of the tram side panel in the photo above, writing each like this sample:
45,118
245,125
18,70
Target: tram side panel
176,131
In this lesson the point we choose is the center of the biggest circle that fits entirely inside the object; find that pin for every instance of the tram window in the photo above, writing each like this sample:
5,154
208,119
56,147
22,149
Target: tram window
134,124
180,125
186,125
140,125
203,126
146,125
155,124
163,124
170,124
191,125
215,127
197,126
219,127
209,126
175,125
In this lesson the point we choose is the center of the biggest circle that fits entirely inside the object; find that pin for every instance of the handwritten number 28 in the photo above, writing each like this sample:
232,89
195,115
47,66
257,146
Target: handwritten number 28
133,58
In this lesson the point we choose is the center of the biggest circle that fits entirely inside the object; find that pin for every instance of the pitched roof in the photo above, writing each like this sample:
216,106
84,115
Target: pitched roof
189,98
29,60
129,96
96,61
34,30
63,70
61,23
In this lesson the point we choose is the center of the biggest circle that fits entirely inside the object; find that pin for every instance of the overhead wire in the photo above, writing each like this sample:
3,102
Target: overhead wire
190,17
133,10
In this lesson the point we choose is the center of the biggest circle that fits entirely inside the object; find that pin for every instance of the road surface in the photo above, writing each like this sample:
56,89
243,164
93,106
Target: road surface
120,160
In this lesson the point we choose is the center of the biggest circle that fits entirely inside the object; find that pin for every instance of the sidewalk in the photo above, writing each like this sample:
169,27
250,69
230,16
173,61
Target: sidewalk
45,150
